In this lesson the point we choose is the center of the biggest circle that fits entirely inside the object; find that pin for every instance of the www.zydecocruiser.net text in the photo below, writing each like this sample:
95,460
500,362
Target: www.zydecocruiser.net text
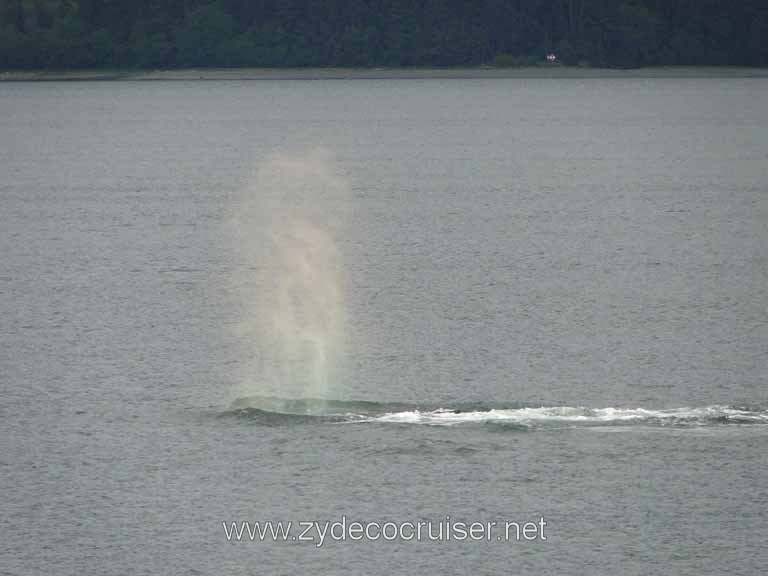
344,530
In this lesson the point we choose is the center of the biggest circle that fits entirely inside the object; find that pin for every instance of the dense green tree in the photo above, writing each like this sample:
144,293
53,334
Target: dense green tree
201,38
176,33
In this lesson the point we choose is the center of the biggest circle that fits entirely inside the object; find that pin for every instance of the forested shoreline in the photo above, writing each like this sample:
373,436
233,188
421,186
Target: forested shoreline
68,34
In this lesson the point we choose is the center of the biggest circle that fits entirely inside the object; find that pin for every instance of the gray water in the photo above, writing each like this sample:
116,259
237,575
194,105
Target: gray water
524,298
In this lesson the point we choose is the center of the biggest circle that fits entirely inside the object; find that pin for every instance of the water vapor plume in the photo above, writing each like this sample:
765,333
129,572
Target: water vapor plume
290,277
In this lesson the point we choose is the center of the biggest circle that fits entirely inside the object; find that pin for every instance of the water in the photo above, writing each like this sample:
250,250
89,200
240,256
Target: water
389,300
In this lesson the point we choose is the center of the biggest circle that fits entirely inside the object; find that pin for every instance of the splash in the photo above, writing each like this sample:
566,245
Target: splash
576,415
291,278
512,417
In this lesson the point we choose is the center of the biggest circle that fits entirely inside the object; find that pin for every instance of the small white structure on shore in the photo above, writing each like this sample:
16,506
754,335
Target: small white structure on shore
551,57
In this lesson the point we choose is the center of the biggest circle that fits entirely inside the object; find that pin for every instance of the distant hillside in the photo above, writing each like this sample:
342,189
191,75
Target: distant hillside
56,34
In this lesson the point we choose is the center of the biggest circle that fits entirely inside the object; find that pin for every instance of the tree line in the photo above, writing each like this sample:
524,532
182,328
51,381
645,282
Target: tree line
55,34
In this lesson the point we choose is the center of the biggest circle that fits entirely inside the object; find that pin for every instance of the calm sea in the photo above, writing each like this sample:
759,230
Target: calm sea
519,299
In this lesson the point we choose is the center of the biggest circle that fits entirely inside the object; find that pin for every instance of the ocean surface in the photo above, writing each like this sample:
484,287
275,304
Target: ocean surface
483,300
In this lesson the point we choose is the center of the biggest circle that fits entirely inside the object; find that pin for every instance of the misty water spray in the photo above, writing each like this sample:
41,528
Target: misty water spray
290,278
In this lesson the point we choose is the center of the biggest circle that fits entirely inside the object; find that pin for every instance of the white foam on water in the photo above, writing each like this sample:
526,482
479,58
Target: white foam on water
578,415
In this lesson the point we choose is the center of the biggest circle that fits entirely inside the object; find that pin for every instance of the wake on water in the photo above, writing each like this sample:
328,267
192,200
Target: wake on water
272,409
